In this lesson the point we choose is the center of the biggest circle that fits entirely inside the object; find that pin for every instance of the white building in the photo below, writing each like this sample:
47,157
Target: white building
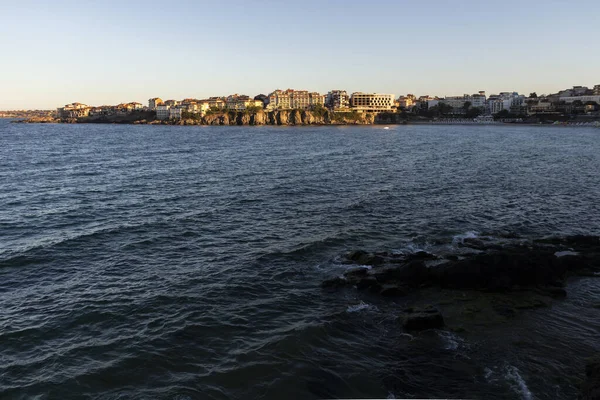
372,102
154,103
337,100
175,112
583,99
162,111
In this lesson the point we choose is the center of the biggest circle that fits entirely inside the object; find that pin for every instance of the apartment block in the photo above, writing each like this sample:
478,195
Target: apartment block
372,102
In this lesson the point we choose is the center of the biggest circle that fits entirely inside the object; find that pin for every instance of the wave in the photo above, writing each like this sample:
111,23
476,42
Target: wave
360,307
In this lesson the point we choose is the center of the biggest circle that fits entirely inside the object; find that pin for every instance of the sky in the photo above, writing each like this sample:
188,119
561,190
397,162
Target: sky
107,52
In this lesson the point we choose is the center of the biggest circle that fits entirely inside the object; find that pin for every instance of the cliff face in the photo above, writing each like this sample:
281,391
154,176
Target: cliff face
281,118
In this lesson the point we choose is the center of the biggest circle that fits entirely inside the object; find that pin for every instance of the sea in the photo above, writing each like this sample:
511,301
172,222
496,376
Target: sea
185,262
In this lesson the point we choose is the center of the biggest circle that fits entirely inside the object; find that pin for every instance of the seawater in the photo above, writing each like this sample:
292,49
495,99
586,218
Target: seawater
165,262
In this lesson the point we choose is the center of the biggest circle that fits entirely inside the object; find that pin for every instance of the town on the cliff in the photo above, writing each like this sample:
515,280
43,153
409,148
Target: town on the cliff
578,105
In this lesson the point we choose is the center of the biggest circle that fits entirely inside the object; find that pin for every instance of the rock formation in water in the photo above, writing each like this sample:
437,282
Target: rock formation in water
590,389
487,279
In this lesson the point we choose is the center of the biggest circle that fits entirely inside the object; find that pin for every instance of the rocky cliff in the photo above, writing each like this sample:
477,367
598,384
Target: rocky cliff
281,117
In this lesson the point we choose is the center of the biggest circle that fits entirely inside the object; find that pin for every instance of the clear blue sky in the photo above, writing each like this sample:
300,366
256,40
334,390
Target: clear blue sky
106,52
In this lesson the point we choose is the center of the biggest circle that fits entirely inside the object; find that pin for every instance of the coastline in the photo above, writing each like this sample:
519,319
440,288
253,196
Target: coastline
288,118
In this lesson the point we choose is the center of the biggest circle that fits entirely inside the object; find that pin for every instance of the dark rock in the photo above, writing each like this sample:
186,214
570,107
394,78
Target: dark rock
418,320
372,260
366,283
364,258
553,291
356,272
356,255
422,255
501,270
391,290
474,243
334,283
590,390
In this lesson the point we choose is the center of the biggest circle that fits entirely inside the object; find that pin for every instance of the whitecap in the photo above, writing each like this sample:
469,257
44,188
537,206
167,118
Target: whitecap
566,253
517,383
359,307
451,340
456,239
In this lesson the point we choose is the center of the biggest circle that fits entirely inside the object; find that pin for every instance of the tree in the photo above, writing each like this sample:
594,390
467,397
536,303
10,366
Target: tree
502,114
467,105
318,110
533,95
474,112
444,108
253,109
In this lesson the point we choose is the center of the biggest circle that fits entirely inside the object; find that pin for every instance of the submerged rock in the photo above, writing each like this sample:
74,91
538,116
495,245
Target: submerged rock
422,319
590,389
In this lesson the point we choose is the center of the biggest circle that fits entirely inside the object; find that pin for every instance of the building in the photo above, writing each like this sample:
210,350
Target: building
242,102
337,100
196,107
155,102
175,112
216,103
596,90
540,107
406,102
510,101
575,91
280,100
583,99
73,110
294,99
162,111
172,103
372,102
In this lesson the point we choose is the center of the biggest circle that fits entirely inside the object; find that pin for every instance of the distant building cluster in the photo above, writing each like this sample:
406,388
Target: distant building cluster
78,110
289,99
579,99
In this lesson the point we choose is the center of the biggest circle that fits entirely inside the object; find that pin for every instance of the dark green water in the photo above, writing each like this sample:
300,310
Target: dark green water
156,262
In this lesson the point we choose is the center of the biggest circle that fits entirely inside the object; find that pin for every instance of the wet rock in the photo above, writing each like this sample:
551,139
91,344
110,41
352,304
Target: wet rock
553,291
334,283
356,273
500,271
391,290
367,283
356,255
422,255
473,243
422,319
590,390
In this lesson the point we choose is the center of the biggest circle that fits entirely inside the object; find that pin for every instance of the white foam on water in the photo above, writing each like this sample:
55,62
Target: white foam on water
517,383
560,254
451,340
360,307
359,266
456,239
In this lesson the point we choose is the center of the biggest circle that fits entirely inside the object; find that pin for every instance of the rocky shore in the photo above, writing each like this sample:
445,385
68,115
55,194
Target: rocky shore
485,281
279,117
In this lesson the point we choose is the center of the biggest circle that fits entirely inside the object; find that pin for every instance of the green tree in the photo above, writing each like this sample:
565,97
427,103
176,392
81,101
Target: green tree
502,114
253,109
474,112
467,105
533,95
444,108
